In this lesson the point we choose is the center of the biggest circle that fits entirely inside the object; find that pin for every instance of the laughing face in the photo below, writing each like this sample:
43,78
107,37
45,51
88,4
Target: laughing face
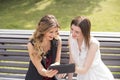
51,33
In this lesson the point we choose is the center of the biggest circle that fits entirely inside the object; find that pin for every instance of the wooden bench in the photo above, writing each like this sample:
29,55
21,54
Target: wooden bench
14,57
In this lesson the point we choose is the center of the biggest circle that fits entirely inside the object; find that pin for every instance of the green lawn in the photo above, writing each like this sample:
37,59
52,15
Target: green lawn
25,14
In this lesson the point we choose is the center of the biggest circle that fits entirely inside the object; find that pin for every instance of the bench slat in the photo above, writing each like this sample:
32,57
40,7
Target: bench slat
8,64
13,41
14,36
15,71
110,44
13,51
109,51
12,76
14,58
111,57
117,76
13,47
114,69
112,63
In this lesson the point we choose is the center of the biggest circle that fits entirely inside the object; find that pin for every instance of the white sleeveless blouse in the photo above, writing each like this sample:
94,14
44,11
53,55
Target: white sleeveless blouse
98,70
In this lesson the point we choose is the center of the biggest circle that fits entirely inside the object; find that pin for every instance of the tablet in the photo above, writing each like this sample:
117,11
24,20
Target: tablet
64,68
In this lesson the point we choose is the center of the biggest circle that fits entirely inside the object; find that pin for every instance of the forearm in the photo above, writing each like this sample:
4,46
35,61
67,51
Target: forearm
36,61
58,54
79,70
42,71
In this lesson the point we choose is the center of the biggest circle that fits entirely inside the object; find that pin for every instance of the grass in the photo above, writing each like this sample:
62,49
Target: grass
25,14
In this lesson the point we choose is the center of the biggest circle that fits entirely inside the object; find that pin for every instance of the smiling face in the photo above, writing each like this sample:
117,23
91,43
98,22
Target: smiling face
51,33
80,28
76,32
45,27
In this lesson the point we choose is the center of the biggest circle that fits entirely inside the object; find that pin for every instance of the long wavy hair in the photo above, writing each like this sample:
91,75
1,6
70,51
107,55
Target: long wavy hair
45,23
85,25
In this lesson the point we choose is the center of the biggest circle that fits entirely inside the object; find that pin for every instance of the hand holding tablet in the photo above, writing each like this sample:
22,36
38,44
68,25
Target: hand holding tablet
63,68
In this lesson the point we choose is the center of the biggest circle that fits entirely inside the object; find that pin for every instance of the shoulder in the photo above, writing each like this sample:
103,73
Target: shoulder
30,48
58,39
30,45
70,38
94,41
56,42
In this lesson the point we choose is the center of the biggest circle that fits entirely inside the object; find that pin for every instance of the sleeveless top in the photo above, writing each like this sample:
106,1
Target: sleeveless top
98,70
32,73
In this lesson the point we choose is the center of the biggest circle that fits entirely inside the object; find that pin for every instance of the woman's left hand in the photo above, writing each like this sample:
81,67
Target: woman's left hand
60,76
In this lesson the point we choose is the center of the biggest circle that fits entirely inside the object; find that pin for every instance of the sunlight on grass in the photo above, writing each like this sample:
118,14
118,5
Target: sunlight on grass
29,25
25,14
107,16
40,6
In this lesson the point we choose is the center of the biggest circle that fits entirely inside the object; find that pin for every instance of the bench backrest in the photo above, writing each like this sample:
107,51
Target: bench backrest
14,59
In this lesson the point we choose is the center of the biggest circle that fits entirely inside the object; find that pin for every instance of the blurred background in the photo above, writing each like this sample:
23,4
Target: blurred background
25,14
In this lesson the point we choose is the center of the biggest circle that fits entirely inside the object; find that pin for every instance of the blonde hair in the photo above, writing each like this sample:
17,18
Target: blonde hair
46,22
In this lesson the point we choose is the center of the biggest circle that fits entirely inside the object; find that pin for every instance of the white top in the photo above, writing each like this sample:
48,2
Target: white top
98,70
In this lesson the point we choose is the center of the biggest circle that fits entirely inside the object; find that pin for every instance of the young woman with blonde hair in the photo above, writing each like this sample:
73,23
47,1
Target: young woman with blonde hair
44,49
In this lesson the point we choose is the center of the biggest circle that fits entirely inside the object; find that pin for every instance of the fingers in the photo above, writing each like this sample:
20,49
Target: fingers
61,75
51,73
77,69
57,63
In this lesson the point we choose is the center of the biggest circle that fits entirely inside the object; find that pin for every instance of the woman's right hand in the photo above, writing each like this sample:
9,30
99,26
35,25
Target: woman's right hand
50,73
76,69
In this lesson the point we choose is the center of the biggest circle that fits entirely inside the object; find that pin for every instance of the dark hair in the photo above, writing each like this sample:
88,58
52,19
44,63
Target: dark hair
85,25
